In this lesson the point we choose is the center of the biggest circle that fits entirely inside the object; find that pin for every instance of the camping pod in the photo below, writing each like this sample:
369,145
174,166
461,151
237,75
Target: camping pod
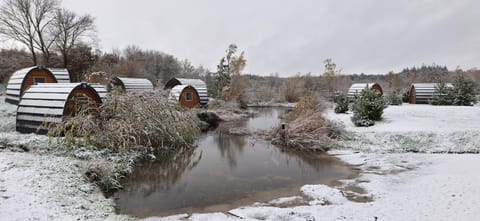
422,93
198,84
186,95
130,85
49,103
357,88
22,79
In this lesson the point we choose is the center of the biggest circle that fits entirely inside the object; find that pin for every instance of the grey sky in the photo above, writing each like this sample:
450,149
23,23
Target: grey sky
370,36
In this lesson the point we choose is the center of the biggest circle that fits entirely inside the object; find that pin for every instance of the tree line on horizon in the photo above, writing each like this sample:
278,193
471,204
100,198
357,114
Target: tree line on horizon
56,37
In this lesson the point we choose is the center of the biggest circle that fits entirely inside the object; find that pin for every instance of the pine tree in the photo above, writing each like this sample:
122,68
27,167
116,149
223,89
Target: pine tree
443,95
341,104
463,91
368,108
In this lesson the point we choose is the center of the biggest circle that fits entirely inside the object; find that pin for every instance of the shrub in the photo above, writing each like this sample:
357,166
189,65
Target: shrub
443,95
293,88
306,105
463,91
127,120
367,108
406,96
394,98
341,104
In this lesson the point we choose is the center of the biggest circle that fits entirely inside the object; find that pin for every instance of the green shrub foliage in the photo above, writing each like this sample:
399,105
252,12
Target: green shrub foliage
462,94
443,95
464,91
406,96
341,104
395,98
368,108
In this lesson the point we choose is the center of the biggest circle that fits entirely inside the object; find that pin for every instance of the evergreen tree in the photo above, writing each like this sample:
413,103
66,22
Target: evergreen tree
341,104
368,108
443,95
463,91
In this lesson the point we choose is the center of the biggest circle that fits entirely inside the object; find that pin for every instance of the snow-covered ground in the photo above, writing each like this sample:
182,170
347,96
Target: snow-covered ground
394,182
38,185
417,128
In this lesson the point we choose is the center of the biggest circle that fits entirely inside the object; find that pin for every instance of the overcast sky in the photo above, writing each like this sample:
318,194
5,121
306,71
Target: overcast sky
296,36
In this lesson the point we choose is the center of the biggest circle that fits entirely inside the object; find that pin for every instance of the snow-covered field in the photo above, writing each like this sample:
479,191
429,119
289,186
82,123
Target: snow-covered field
394,184
417,128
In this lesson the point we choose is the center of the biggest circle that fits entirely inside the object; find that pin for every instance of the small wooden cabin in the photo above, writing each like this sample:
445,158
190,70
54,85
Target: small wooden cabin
22,79
50,103
186,95
422,93
357,89
198,84
130,85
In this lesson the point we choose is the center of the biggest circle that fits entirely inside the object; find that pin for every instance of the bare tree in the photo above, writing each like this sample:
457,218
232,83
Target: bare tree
29,22
15,23
43,16
69,29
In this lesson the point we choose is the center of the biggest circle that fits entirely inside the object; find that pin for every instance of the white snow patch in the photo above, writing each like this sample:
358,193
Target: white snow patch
416,128
45,187
323,195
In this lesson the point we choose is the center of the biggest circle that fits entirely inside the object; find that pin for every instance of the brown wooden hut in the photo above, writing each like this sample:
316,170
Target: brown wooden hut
51,103
198,84
357,89
186,95
22,79
129,85
422,93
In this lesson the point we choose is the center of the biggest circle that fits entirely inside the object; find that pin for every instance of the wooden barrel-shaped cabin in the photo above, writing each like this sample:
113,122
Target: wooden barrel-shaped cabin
422,93
22,79
131,85
45,104
186,95
357,88
198,84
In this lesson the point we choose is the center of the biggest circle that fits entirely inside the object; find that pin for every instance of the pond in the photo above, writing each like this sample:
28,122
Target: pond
224,172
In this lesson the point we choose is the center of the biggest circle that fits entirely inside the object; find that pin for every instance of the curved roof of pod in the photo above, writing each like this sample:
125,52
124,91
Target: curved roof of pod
133,84
198,84
47,102
17,80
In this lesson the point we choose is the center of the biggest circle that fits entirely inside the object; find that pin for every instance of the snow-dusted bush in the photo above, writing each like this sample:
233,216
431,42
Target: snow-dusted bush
127,120
395,98
306,128
341,104
464,93
368,108
443,95
406,96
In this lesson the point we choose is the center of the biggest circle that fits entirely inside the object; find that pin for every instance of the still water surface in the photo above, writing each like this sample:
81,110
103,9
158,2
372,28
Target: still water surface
224,172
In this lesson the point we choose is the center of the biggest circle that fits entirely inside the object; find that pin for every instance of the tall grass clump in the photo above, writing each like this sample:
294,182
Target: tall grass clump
305,127
126,120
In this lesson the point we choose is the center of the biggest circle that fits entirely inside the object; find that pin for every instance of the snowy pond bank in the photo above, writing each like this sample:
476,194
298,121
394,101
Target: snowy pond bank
401,177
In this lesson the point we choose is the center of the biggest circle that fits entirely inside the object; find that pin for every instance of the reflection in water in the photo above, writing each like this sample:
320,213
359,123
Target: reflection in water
224,169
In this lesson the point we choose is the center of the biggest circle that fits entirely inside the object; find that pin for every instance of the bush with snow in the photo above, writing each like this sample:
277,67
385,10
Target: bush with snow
125,121
395,98
341,104
368,108
443,95
464,91
462,94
